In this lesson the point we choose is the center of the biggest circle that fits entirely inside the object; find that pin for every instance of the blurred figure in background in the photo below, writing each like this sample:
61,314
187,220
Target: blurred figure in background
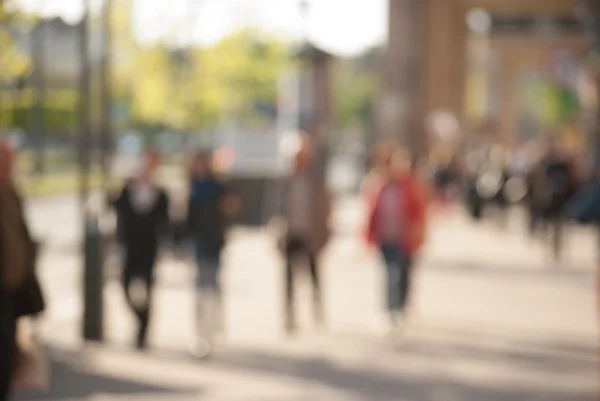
558,185
396,223
306,208
498,168
535,197
20,293
142,221
447,177
210,205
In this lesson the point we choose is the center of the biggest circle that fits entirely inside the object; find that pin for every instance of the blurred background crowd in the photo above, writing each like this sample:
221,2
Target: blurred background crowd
234,145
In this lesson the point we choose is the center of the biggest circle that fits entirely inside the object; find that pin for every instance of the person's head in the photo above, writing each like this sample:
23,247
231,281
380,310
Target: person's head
304,156
554,148
400,163
381,154
151,163
6,161
201,164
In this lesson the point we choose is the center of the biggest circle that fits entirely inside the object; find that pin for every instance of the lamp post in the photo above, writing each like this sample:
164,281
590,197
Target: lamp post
316,64
37,126
93,277
106,126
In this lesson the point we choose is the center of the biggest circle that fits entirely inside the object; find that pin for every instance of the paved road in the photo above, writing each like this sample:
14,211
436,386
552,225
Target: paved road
492,322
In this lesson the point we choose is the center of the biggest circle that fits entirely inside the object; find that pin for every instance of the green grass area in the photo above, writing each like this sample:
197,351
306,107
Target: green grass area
54,161
61,174
58,184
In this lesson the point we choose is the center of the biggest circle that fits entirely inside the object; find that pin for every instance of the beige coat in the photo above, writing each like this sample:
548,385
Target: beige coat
321,208
17,250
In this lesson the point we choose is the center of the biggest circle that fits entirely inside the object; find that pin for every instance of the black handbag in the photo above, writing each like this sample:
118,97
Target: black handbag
29,300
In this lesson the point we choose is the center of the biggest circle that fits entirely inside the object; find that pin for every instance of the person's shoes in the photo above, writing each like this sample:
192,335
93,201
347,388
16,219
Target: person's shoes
319,319
201,348
141,345
290,327
397,323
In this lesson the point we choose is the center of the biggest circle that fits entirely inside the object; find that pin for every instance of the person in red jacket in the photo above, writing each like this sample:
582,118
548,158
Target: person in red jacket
395,224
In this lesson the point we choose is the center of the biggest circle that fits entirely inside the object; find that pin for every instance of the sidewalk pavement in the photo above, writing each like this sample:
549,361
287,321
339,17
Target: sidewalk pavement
491,322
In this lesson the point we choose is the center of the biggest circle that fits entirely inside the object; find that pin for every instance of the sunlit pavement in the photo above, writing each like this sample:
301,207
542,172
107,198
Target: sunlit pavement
492,320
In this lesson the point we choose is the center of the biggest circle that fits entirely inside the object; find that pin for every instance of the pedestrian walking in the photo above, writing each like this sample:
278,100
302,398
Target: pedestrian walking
211,204
380,157
396,225
142,221
305,208
559,185
20,293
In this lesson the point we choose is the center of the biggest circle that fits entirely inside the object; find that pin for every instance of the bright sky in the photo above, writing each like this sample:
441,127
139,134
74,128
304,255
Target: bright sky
341,26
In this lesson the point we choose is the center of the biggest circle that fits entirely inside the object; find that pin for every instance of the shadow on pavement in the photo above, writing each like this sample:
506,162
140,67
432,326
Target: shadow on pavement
370,384
578,274
70,380
548,359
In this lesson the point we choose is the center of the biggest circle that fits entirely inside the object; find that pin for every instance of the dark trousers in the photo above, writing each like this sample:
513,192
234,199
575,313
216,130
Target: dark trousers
398,266
406,284
138,283
556,226
297,249
8,347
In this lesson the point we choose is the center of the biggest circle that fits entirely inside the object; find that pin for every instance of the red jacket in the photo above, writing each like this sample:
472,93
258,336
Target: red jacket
414,204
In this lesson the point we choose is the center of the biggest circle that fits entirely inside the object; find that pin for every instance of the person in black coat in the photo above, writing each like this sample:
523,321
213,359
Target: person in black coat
553,183
142,220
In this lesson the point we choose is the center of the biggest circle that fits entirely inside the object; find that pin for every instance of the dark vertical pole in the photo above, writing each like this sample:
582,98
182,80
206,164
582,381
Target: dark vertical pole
595,12
84,111
322,108
39,86
106,128
92,325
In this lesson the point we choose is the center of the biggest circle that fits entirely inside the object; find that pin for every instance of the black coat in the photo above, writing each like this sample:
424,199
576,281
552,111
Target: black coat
140,233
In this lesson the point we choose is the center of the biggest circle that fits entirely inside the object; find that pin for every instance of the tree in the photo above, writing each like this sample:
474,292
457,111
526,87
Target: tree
126,51
231,78
354,94
13,62
152,87
238,74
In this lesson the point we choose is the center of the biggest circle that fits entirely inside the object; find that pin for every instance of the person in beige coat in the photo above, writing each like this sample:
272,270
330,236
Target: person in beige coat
17,260
305,209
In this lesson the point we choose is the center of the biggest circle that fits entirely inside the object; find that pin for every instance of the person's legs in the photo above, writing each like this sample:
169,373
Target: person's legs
534,221
557,238
143,313
8,347
139,283
291,253
316,286
392,260
208,292
405,282
126,278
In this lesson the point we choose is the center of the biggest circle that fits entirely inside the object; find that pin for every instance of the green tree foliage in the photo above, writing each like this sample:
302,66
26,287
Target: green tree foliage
193,88
354,94
125,50
152,86
13,63
558,106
